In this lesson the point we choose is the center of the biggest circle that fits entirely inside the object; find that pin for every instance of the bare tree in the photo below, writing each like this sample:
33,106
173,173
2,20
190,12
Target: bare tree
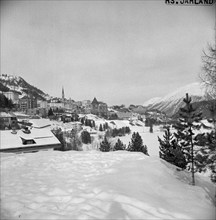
208,74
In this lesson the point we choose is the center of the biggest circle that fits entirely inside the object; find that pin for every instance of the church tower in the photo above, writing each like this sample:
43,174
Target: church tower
63,96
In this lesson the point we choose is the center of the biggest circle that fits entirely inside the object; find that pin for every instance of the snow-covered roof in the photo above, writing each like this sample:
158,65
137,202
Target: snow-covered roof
40,136
40,123
21,115
6,115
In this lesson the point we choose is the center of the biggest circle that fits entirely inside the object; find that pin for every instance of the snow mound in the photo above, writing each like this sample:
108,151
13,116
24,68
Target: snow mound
96,185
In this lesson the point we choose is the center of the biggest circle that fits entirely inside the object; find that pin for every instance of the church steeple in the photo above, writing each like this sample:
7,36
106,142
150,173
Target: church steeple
63,96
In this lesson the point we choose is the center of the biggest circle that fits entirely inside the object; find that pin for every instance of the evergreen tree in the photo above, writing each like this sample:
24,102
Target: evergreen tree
207,155
50,112
151,128
114,132
187,124
85,137
82,121
171,151
136,144
119,145
104,127
5,102
105,145
90,124
86,122
100,128
127,130
211,161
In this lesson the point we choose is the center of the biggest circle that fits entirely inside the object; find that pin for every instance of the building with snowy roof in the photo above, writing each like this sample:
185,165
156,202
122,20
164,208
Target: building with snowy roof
99,108
34,140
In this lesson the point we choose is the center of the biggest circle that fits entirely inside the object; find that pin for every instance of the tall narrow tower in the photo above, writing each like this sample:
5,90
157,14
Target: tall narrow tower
63,96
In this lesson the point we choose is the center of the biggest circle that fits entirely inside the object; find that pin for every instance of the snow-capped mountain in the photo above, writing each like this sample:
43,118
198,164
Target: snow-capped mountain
17,83
152,101
171,103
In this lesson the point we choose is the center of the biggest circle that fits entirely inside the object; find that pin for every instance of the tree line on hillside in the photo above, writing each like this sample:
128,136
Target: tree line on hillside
187,147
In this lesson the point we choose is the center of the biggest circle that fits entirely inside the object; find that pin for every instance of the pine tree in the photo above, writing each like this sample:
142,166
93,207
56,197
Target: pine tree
136,144
119,145
104,127
100,128
82,121
151,128
207,155
171,151
85,137
187,124
93,123
86,122
211,161
105,145
50,112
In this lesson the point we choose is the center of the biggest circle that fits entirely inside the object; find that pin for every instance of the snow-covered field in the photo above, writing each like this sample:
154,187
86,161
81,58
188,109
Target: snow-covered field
96,185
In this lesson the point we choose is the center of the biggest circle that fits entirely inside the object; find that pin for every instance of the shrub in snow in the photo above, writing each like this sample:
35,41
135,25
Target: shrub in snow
136,144
105,146
118,145
85,137
171,151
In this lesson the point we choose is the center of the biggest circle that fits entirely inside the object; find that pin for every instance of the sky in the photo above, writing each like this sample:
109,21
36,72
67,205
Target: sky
121,52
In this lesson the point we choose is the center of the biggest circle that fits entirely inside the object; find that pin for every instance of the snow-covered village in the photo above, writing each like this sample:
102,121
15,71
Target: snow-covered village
107,110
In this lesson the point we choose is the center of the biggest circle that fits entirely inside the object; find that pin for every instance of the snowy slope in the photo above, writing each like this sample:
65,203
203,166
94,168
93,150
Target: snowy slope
96,185
173,101
152,101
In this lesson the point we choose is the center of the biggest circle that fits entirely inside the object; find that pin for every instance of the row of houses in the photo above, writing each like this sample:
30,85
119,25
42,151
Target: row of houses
34,106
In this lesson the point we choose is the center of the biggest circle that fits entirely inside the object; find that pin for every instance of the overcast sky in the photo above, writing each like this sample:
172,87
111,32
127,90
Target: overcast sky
122,52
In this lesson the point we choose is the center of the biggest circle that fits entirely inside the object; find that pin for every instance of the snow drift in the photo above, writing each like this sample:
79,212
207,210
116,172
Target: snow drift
96,185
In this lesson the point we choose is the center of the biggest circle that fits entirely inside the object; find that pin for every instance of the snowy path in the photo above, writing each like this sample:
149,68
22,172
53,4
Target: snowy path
95,185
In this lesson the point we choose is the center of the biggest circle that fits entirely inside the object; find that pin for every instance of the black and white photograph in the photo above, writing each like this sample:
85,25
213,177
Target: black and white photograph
107,109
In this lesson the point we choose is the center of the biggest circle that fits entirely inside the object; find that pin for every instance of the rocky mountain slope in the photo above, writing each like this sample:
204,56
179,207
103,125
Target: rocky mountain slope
17,83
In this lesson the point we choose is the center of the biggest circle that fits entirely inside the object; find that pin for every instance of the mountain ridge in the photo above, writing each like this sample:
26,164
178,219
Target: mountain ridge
171,102
18,84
